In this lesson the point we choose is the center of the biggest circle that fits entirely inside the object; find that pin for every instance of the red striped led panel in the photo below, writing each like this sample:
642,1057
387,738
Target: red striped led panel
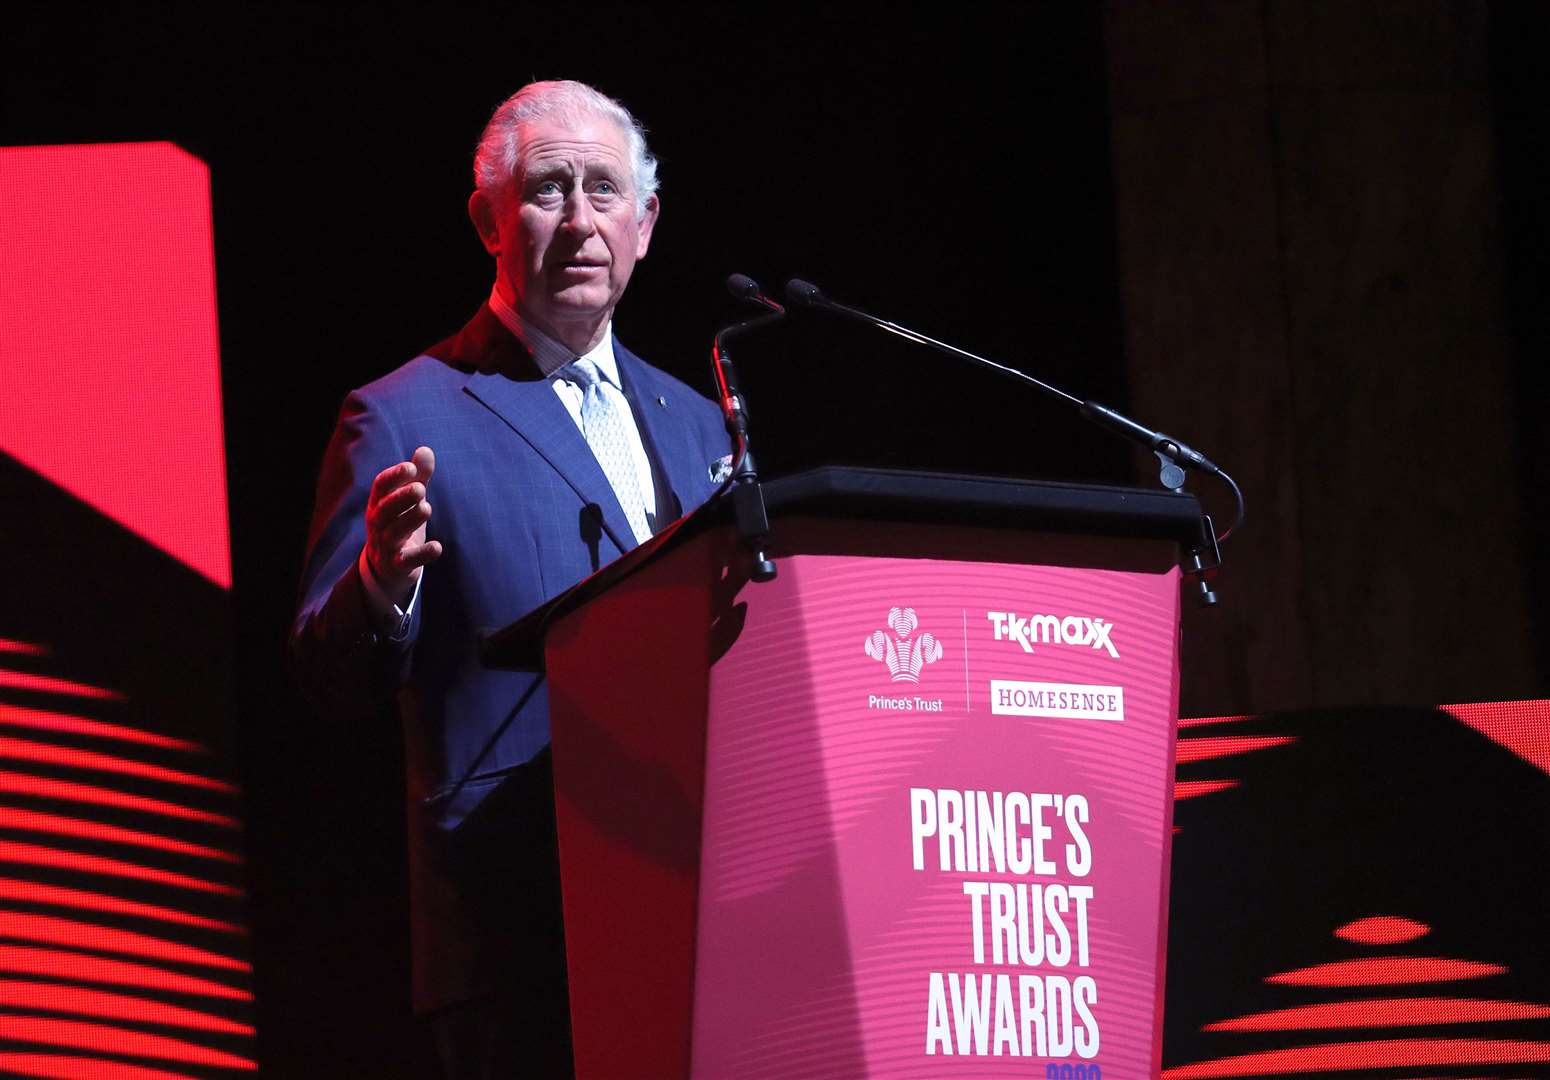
123,946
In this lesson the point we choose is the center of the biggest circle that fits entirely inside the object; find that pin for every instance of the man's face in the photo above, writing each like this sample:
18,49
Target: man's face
567,237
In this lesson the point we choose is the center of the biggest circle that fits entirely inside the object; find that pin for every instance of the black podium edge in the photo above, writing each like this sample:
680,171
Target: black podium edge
883,495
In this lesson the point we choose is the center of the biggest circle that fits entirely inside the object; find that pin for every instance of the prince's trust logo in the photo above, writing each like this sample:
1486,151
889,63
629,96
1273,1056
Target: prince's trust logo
904,654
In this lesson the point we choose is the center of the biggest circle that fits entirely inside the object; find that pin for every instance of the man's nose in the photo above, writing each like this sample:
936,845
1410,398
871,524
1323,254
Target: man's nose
578,214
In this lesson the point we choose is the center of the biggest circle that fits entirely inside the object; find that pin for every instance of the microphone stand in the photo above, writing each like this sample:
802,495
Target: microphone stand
748,509
1174,456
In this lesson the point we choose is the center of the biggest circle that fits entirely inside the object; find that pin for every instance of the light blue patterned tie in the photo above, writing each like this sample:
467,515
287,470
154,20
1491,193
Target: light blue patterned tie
607,435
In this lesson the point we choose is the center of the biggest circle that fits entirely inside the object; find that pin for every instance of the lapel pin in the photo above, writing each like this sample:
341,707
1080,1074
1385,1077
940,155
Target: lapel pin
662,401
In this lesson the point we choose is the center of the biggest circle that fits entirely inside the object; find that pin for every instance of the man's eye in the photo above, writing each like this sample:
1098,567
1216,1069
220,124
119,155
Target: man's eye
548,187
605,187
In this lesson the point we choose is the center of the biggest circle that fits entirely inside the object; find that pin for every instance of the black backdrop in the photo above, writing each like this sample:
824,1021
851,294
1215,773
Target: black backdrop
947,166
944,167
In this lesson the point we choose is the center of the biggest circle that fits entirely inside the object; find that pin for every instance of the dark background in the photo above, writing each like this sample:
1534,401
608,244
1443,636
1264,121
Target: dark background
1065,188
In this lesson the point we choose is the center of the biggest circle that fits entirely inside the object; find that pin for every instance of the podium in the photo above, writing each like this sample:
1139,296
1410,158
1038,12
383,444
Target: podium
904,811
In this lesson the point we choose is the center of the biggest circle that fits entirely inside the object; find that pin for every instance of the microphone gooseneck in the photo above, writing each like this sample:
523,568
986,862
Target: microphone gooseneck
733,408
1174,455
742,479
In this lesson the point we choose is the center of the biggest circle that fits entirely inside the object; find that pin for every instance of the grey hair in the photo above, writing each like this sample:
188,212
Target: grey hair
495,158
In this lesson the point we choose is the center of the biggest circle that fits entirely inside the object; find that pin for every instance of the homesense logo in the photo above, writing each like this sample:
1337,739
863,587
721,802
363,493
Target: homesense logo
1031,630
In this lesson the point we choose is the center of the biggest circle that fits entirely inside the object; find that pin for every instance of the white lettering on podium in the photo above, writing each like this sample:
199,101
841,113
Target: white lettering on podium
1012,923
1067,701
995,832
1030,630
980,1015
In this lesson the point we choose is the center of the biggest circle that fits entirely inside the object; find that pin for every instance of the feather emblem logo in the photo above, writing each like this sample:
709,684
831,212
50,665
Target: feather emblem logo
904,654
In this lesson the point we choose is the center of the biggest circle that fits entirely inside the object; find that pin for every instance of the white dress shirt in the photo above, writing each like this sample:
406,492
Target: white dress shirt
551,356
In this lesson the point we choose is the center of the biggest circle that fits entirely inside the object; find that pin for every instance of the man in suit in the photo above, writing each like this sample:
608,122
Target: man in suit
546,450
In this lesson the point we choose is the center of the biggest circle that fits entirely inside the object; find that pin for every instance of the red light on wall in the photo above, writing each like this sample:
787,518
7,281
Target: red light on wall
49,930
108,329
69,1067
42,684
47,787
39,720
1382,930
46,754
1521,726
1204,749
1203,721
1384,1012
1364,1056
51,997
1193,789
1386,971
110,393
60,964
33,892
78,1035
38,855
32,821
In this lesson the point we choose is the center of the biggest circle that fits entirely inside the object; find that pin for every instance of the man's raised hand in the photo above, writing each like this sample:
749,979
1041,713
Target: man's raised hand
396,512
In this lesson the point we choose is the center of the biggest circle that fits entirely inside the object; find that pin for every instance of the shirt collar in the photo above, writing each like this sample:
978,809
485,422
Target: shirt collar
550,355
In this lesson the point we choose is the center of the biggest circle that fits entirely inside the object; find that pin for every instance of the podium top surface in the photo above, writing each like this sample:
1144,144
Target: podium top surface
997,502
865,494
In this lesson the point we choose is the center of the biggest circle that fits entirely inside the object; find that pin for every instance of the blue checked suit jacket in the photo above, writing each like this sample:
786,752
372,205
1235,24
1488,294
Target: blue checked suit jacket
523,512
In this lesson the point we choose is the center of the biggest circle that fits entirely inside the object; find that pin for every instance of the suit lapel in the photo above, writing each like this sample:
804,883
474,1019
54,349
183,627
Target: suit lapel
503,378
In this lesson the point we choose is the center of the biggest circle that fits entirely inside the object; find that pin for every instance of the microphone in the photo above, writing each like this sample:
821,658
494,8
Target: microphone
747,497
733,408
744,287
803,293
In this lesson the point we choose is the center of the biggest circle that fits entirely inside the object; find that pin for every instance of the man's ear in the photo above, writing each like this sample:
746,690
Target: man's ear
647,223
486,222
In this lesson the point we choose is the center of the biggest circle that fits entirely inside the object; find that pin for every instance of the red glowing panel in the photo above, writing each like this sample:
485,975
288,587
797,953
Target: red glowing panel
1521,726
32,821
1386,971
21,680
78,1035
1384,1012
1365,1056
33,892
80,725
111,382
69,1067
22,648
48,788
1193,789
36,855
1382,930
22,750
1205,749
57,964
52,997
48,930
1202,721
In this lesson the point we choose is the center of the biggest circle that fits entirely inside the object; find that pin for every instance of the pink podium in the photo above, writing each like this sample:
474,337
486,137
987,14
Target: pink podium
904,811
